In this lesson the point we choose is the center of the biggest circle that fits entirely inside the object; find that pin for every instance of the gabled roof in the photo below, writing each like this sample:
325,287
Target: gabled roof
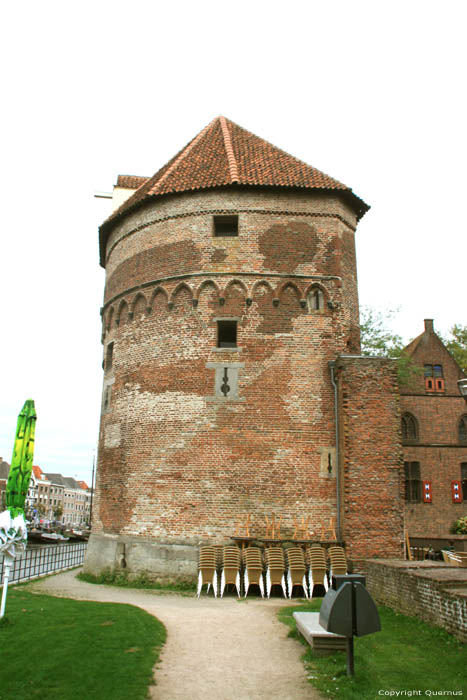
224,154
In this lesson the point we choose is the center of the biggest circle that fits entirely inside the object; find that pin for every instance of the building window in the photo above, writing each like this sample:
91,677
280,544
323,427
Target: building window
463,429
227,334
109,356
413,485
226,225
409,428
434,381
315,300
464,480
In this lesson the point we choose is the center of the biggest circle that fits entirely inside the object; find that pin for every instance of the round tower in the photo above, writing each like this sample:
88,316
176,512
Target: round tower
230,285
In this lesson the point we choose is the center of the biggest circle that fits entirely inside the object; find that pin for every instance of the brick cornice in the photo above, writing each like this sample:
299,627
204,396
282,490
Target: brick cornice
209,275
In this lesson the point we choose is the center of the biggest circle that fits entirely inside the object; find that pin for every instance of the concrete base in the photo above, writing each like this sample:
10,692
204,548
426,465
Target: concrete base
157,561
321,641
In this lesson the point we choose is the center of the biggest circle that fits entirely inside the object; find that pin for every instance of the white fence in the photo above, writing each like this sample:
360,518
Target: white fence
47,559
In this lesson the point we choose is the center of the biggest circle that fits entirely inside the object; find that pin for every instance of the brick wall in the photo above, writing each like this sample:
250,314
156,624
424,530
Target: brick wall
433,592
372,497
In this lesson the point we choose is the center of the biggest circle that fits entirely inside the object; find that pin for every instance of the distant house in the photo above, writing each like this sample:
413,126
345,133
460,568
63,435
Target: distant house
434,439
4,470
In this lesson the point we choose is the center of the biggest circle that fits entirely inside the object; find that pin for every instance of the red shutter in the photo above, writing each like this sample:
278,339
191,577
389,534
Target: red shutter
456,491
426,486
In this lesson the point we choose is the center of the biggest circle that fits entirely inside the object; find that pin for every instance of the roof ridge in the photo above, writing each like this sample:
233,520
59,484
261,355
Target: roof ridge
183,154
229,150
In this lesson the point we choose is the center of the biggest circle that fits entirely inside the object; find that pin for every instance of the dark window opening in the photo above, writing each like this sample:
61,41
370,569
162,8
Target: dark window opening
413,485
109,356
226,225
464,480
409,428
227,334
463,429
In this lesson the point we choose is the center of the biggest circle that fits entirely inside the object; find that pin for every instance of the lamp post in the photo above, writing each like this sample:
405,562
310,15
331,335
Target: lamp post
462,384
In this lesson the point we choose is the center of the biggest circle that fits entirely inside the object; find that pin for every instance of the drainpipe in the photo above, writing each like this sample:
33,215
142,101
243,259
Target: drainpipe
332,367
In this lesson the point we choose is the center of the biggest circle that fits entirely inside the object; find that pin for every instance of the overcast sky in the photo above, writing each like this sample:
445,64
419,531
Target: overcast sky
372,93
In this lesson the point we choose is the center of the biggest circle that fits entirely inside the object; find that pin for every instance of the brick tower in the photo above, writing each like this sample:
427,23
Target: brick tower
230,286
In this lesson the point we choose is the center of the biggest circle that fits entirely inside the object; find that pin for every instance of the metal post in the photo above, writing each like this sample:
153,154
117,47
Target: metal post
350,653
6,576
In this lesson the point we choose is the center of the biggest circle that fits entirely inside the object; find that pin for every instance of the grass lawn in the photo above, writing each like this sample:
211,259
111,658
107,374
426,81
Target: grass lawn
61,649
407,655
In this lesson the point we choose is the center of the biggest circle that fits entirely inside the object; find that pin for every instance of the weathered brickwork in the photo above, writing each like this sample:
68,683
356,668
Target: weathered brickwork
371,488
196,460
192,434
437,446
432,591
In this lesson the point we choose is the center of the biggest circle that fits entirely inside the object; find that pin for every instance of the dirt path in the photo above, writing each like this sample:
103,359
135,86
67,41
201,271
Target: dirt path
216,649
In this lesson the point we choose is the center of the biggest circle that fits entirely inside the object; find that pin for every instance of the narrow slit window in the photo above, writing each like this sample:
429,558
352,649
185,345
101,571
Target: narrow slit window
109,356
227,334
226,225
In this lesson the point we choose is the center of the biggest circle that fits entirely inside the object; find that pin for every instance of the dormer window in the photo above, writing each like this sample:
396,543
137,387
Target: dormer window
434,382
225,226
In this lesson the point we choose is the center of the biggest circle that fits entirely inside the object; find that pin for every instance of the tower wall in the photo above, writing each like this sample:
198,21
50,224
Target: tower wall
179,458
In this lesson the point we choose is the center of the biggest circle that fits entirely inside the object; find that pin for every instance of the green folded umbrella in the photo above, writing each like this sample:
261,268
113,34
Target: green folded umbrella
21,462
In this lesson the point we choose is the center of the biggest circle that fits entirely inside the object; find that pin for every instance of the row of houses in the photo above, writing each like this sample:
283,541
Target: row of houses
52,497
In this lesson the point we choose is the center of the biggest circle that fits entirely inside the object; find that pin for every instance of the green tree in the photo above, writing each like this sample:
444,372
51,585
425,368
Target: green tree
457,345
378,341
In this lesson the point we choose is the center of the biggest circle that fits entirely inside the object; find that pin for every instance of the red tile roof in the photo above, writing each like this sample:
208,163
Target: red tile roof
224,154
130,182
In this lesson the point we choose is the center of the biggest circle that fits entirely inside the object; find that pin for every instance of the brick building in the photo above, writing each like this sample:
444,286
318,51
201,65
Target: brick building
434,435
230,288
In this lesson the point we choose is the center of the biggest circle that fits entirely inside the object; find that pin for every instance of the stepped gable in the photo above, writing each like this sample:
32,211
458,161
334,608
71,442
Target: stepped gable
225,154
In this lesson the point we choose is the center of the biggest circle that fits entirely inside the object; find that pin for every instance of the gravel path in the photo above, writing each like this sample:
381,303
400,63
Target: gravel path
216,649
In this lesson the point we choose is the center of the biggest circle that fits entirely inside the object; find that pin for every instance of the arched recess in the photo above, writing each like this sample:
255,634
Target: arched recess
260,289
108,319
181,297
288,290
235,286
159,301
139,305
409,425
232,299
122,314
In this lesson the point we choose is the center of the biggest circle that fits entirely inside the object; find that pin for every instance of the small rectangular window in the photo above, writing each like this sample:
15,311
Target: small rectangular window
437,370
227,334
428,370
413,490
226,225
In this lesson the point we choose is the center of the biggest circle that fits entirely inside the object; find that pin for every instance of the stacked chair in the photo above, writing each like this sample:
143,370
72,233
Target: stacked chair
253,563
297,570
338,561
230,568
207,569
317,563
275,569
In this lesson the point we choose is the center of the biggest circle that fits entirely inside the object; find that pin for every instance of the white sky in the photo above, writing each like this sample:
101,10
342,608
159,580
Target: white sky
372,93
